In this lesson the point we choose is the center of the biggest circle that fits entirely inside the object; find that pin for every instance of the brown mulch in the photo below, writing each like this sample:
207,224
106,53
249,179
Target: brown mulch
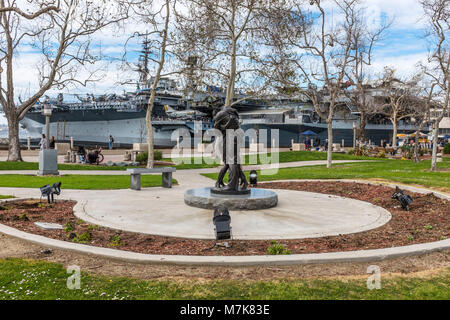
428,220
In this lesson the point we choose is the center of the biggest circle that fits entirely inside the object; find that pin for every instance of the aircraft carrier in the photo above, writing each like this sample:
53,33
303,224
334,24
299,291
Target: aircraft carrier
90,119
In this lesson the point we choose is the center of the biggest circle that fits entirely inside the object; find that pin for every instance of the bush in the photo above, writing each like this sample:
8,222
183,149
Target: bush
68,227
115,241
381,154
361,152
351,152
143,157
82,238
447,148
277,249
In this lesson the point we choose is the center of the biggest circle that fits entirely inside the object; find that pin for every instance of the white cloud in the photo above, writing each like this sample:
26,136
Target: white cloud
405,64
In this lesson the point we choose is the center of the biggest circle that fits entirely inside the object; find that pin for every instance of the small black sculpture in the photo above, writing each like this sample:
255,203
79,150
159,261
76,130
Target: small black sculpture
404,199
49,191
228,118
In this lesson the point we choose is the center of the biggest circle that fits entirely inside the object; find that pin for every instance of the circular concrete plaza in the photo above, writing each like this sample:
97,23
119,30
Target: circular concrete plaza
160,211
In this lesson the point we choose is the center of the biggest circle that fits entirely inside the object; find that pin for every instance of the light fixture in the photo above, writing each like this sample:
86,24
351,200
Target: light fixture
404,199
253,178
47,110
222,222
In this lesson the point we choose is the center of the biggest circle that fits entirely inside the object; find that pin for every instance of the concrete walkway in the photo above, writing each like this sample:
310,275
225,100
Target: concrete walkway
150,201
162,211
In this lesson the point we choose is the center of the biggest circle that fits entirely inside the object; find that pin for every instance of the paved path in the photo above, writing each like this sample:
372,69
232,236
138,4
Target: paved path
162,211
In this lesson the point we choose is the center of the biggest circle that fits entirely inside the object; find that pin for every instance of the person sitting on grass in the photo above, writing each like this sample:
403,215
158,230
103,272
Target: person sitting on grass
81,152
93,156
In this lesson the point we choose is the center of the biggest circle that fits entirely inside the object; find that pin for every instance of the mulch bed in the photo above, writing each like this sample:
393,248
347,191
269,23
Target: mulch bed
428,220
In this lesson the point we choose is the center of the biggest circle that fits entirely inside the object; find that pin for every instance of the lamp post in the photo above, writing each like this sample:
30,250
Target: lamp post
47,112
354,134
48,158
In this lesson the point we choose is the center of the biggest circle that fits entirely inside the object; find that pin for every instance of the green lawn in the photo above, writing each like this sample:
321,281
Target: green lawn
4,165
189,163
394,170
86,182
292,156
5,197
25,279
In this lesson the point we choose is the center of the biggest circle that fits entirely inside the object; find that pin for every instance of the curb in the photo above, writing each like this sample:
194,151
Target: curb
263,260
295,259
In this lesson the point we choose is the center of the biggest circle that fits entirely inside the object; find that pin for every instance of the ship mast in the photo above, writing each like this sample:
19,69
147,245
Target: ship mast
142,67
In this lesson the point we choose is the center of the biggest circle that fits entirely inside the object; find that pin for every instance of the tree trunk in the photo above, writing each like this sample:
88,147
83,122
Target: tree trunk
435,146
416,147
150,141
14,153
362,127
232,79
148,117
394,133
330,144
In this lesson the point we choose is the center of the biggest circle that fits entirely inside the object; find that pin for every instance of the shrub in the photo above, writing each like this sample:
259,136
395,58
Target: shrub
115,241
421,152
68,227
143,157
361,151
277,249
82,238
381,154
351,152
447,148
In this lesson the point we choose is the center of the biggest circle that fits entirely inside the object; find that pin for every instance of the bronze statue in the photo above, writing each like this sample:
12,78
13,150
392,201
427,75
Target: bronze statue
228,118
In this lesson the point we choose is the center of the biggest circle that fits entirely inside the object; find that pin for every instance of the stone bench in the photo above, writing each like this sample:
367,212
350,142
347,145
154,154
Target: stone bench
136,176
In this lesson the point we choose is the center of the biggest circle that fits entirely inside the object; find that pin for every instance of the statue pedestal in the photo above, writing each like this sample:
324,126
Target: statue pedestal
256,199
221,191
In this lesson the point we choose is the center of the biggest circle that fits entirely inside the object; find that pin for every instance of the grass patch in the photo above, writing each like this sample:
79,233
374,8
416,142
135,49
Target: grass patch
293,156
4,165
395,170
25,279
6,197
195,163
190,163
84,182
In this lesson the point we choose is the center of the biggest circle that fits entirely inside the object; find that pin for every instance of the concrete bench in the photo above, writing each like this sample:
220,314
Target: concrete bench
136,176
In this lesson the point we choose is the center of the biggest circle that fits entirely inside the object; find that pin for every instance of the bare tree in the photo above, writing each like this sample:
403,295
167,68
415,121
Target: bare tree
320,50
155,19
365,40
221,36
422,111
44,7
398,100
62,35
437,14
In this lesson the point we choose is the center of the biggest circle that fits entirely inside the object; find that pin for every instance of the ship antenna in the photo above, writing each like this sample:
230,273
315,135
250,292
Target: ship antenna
143,62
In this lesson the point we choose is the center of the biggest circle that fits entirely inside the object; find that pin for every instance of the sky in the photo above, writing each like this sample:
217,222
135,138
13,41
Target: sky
403,47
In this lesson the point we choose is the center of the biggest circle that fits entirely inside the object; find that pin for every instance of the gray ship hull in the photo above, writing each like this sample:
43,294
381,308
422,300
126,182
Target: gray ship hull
125,131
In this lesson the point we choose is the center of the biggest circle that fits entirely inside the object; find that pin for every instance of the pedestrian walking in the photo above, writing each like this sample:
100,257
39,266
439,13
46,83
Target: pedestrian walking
43,142
111,142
